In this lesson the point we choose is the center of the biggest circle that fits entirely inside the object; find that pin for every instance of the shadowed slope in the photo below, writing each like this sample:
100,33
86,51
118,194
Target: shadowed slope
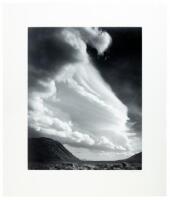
135,158
46,150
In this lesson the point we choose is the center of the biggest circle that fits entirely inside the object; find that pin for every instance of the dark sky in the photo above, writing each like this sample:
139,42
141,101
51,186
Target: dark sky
121,67
67,96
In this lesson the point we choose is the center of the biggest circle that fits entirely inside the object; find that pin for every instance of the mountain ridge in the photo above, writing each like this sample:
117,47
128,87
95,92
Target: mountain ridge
46,153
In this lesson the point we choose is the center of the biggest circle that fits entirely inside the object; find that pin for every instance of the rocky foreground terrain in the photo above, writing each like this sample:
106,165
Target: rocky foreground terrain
47,154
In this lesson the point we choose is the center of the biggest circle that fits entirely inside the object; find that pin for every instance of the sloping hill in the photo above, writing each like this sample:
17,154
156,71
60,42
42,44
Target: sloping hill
45,153
137,158
46,150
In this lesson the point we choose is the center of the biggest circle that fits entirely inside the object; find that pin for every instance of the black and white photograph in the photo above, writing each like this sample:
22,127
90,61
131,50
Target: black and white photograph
84,98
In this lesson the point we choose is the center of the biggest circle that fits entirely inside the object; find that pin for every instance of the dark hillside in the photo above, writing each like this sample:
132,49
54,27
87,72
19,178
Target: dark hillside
46,150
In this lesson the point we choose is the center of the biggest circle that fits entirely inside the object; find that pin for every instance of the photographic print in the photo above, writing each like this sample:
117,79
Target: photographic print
85,98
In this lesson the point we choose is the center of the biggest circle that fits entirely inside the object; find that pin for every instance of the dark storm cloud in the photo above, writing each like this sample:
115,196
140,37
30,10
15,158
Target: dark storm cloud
47,53
47,50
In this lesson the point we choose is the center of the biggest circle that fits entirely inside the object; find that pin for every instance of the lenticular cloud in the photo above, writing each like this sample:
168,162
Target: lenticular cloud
92,105
75,105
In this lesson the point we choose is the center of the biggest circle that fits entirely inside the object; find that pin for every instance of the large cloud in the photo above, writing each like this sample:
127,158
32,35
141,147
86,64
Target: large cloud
68,99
